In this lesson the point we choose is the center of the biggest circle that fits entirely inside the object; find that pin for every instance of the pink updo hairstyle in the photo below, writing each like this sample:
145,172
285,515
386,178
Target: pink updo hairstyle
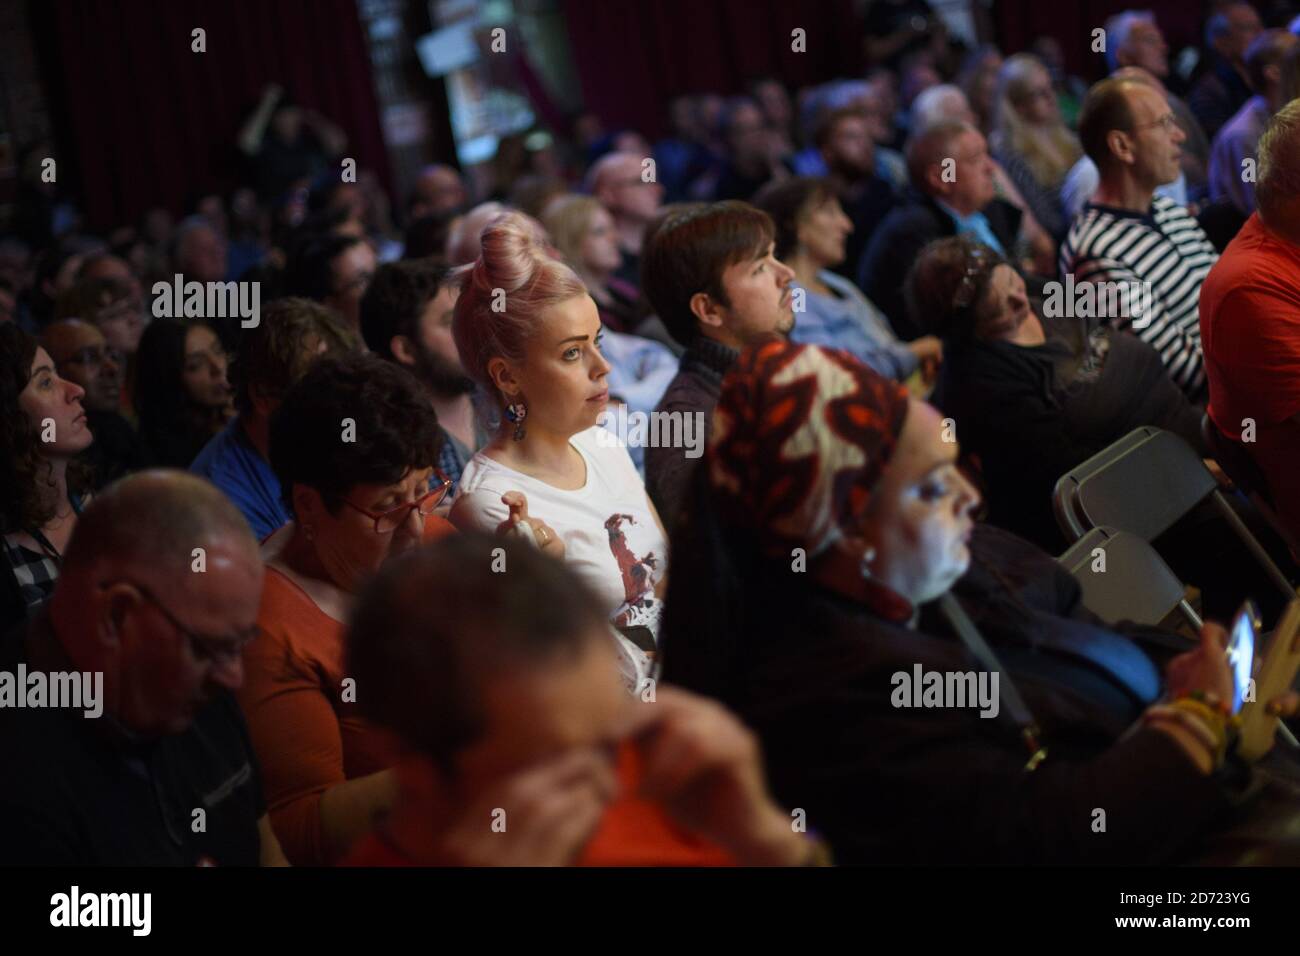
517,259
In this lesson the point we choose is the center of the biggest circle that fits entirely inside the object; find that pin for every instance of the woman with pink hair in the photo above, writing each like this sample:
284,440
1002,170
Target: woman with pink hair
529,332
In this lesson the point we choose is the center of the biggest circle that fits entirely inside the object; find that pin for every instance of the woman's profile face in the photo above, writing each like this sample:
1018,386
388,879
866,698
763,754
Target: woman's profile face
1004,313
203,369
920,518
562,377
600,251
53,407
823,230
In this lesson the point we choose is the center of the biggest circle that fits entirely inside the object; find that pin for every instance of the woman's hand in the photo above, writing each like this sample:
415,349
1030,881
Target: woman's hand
1203,669
547,539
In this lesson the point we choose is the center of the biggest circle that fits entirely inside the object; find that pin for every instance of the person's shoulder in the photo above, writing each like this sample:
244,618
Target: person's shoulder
218,457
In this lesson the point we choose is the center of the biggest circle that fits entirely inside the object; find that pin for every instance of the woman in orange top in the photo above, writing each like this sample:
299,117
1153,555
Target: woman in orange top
518,748
353,445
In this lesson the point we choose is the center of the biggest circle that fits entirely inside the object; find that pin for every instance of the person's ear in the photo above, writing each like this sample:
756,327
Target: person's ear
934,181
504,376
308,505
403,349
707,310
116,601
1120,145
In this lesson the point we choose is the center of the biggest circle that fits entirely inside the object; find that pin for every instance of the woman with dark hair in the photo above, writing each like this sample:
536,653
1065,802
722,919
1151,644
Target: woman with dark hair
42,428
811,230
829,517
1017,383
353,445
182,394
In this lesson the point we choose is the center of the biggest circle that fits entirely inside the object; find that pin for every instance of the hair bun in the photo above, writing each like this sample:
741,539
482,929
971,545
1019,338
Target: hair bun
514,250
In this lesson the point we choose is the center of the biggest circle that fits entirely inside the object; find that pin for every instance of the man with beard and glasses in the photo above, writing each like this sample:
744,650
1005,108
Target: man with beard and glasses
406,318
292,334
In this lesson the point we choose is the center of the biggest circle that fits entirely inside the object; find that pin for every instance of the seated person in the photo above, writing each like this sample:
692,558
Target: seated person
640,369
496,684
1250,324
406,318
82,355
41,486
865,495
182,395
712,275
124,786
353,446
1032,397
291,334
1128,237
829,310
953,193
540,360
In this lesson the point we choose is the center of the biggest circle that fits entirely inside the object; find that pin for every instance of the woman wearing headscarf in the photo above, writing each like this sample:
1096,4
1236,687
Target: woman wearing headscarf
829,518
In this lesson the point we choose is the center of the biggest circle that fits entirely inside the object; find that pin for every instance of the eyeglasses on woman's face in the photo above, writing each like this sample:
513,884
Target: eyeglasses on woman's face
386,522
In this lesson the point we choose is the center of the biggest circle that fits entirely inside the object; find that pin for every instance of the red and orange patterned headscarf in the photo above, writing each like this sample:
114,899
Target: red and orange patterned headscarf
800,436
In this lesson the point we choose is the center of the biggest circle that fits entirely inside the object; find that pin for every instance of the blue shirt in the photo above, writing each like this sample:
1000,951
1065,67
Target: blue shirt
975,225
850,322
230,462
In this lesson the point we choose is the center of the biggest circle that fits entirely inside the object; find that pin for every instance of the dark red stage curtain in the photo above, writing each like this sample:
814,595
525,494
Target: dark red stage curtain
632,58
148,122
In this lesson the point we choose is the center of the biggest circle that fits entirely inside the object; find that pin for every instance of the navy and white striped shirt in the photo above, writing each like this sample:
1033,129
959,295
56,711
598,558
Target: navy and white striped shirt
1165,248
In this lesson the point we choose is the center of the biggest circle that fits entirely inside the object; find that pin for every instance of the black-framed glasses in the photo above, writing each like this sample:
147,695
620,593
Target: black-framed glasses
206,647
979,260
386,522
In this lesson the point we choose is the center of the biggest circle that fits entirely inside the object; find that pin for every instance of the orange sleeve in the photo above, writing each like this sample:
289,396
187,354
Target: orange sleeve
435,527
296,735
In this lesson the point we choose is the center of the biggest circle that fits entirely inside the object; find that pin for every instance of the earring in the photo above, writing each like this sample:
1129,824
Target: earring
864,567
517,412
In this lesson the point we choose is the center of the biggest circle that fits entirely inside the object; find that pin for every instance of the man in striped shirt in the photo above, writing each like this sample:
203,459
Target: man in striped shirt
1131,238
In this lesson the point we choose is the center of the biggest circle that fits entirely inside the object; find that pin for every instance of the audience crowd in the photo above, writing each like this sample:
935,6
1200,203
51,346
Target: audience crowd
614,496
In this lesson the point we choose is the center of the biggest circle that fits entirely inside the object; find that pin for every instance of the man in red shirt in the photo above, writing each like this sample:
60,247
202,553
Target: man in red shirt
1250,322
497,669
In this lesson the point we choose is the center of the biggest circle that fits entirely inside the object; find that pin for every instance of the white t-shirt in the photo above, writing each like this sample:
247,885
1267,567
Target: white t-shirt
610,535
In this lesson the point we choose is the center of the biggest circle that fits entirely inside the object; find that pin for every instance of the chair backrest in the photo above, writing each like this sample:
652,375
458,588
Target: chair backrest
1122,577
1141,484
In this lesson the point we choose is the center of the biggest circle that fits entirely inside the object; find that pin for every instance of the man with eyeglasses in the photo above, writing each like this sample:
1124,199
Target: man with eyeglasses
82,355
1128,236
158,592
334,270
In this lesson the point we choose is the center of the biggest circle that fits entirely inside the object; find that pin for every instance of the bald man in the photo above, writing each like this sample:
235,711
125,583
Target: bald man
624,185
157,596
82,355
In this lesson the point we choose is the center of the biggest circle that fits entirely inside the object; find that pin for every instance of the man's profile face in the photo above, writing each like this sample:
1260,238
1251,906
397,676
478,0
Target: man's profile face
972,187
1156,138
438,361
758,296
1146,48
82,355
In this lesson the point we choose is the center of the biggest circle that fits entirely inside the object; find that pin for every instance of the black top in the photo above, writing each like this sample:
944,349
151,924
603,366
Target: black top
886,784
1031,413
117,450
81,791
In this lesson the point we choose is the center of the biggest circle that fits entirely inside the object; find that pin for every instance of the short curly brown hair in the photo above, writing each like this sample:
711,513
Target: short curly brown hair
936,277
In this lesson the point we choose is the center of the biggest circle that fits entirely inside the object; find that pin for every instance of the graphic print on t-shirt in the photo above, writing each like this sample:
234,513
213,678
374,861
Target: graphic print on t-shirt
638,573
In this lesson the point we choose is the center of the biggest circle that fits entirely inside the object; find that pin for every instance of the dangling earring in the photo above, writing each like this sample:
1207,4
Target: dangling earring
517,412
868,556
